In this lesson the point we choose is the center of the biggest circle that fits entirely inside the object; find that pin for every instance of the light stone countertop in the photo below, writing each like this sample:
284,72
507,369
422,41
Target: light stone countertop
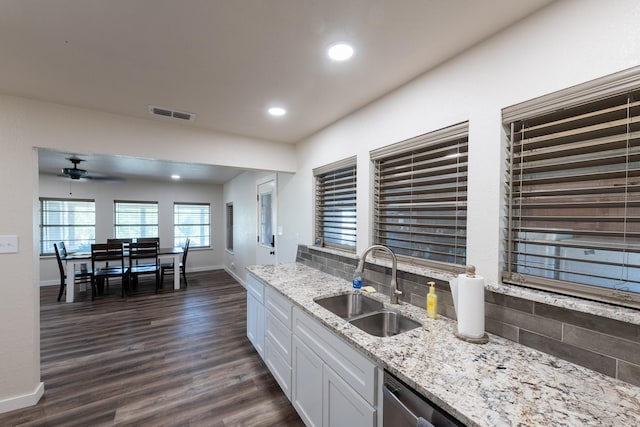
500,383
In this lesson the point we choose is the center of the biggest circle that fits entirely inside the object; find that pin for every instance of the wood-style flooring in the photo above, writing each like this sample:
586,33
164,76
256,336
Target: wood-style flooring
176,358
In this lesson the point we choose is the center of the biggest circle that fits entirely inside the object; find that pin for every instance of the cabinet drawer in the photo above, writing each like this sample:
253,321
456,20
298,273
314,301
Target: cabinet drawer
279,367
353,367
255,288
279,305
280,336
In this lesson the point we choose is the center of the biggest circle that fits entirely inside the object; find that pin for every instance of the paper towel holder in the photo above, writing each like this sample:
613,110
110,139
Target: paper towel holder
470,271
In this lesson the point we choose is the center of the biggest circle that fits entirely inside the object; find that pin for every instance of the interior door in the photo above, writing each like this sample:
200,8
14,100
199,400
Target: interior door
267,211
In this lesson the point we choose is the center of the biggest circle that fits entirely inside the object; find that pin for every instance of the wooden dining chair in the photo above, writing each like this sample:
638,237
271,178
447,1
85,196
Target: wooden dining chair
81,276
107,261
143,259
171,267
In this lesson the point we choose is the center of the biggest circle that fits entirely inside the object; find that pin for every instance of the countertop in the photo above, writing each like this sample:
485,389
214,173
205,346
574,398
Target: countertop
500,383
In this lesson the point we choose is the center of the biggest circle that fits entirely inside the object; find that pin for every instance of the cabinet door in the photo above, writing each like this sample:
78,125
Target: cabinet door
342,405
307,384
255,323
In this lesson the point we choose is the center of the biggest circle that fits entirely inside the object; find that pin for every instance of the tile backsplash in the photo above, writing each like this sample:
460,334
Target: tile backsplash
605,345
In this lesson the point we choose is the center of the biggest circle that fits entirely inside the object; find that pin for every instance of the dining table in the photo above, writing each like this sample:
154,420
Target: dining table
74,261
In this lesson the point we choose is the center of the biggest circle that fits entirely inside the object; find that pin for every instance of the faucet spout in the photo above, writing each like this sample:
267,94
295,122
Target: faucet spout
395,293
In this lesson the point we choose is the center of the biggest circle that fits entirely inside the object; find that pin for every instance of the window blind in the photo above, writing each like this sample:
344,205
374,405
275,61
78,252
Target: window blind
574,198
420,197
193,221
67,220
335,205
135,219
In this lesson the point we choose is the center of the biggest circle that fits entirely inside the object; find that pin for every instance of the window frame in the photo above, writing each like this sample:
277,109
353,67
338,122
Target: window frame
346,197
117,226
579,96
44,227
421,145
192,243
229,226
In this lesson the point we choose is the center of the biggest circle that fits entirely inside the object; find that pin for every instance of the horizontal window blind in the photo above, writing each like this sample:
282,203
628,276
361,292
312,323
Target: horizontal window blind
135,219
335,220
574,199
70,221
420,197
192,221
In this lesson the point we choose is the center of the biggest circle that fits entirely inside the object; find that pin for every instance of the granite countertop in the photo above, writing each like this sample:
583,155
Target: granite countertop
500,383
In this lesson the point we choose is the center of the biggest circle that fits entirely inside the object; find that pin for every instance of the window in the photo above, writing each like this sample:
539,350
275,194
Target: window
230,227
335,218
574,191
192,220
420,197
135,219
70,221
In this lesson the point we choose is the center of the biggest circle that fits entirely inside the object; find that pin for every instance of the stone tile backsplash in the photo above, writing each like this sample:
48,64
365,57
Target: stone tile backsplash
605,345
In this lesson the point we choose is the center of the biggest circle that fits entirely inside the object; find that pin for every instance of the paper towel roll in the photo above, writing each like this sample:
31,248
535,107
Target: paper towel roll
469,305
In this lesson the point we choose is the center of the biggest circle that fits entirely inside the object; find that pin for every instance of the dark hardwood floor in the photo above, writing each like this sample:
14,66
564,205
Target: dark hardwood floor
176,358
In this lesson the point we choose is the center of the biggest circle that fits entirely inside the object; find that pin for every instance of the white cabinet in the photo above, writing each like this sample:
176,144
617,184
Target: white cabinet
328,381
342,403
278,338
255,313
307,384
333,384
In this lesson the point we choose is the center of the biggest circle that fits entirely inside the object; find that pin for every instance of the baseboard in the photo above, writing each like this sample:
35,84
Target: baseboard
23,401
235,276
205,268
56,282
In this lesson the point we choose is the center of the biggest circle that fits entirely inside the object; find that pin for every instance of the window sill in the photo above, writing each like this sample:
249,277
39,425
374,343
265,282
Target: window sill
334,251
596,308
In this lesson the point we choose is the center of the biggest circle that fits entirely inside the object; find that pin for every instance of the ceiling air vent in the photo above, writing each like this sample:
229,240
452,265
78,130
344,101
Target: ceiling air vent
165,112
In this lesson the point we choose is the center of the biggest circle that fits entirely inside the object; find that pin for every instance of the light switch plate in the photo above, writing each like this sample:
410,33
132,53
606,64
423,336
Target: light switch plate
8,244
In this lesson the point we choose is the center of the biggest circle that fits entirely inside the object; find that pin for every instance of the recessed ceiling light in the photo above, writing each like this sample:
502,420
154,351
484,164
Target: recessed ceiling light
340,51
174,176
277,111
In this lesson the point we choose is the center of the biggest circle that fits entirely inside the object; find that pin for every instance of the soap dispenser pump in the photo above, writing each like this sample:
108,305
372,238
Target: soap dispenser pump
432,301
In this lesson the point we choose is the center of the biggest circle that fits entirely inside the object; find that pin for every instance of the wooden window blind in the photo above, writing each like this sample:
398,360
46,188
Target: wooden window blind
335,204
574,196
420,197
72,221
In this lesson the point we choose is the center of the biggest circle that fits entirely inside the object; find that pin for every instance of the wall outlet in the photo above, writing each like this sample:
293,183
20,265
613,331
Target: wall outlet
8,244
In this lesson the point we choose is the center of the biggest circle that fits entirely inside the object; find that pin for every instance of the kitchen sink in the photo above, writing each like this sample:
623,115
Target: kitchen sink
385,323
349,306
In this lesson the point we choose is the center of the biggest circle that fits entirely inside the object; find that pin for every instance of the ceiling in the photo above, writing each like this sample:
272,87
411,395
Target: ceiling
227,61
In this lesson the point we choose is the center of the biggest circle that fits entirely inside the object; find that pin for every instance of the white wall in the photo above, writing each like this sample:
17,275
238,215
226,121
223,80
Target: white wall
165,193
25,124
567,43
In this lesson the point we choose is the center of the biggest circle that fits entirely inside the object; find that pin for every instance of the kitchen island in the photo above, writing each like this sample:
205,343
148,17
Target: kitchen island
500,383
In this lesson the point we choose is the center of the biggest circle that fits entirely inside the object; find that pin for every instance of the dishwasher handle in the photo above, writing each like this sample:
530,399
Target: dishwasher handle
393,408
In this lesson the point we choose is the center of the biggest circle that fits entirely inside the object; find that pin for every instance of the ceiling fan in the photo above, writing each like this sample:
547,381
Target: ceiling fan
76,173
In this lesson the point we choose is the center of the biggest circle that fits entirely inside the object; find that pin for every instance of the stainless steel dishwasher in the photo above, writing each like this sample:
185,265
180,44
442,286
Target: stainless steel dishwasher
402,407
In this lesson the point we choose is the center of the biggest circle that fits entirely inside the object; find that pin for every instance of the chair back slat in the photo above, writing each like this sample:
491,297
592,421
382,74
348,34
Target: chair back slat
107,252
143,251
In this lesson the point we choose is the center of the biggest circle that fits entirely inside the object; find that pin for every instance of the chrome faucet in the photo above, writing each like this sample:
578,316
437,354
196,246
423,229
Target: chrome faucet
394,265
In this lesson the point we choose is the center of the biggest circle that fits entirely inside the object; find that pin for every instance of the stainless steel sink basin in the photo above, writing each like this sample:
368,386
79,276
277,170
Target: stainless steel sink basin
385,323
349,306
